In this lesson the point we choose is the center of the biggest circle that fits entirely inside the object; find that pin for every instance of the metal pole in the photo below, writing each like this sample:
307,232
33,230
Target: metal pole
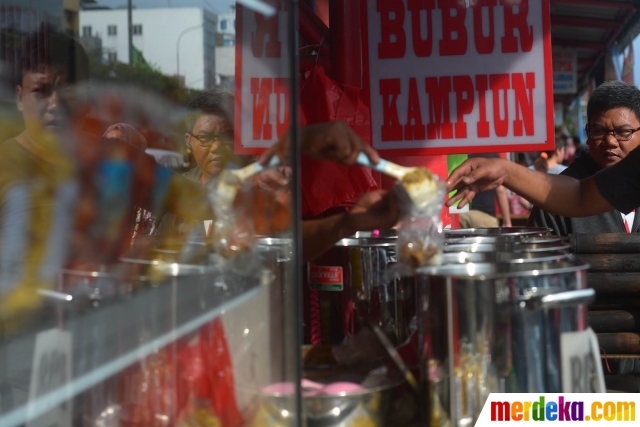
296,313
130,26
186,30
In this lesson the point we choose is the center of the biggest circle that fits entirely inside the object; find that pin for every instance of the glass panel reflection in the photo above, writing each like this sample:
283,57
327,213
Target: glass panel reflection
145,258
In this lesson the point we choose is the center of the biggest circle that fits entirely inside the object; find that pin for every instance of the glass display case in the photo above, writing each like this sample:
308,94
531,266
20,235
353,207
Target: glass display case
151,288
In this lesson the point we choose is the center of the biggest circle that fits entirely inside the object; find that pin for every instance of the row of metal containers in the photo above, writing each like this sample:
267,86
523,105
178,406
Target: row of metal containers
139,326
489,319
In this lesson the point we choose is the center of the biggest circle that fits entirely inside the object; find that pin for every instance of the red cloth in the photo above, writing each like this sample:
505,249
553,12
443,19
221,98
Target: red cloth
326,185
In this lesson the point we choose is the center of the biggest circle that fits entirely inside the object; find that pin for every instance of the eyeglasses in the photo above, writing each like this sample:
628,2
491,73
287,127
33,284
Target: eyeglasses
207,140
621,135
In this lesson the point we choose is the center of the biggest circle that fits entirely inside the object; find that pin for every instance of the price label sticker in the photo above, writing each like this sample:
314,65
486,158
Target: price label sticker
50,376
581,366
326,278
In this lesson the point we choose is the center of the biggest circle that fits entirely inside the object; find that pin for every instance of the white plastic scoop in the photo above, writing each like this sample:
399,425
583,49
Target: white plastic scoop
419,183
230,181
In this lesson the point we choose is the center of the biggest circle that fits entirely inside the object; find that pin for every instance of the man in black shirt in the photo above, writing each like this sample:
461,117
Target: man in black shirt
613,105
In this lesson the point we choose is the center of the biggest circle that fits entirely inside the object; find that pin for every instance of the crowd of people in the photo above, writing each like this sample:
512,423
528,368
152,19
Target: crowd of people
72,198
74,194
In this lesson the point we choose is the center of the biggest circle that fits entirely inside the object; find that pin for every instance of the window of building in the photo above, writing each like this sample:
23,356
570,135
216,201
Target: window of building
137,30
86,31
223,24
112,30
70,16
234,24
112,56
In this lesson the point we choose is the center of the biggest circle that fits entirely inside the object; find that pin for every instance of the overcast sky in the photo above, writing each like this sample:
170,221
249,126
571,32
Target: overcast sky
219,6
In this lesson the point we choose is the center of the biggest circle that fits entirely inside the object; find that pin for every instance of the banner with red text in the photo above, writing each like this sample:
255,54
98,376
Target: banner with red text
262,79
459,76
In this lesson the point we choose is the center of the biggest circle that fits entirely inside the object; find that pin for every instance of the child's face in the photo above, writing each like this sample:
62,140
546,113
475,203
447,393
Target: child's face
39,101
210,142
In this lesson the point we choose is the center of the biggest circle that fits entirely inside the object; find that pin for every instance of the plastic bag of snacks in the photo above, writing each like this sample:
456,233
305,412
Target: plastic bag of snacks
420,234
147,392
205,385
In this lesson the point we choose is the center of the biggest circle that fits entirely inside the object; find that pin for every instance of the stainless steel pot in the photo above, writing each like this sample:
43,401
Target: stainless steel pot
355,268
275,255
497,328
146,299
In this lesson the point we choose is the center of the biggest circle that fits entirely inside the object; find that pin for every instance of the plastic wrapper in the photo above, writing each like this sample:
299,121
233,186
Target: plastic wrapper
257,210
194,388
147,392
420,234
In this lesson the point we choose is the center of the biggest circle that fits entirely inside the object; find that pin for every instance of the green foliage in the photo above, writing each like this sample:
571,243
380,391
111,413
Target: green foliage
144,76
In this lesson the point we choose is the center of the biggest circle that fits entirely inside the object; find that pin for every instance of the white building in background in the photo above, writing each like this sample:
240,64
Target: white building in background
225,50
178,41
227,27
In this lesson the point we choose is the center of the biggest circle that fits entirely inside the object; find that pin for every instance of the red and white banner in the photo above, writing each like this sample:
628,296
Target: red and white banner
459,76
262,79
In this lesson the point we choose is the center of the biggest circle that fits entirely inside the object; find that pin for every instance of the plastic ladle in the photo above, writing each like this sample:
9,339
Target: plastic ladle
418,182
230,180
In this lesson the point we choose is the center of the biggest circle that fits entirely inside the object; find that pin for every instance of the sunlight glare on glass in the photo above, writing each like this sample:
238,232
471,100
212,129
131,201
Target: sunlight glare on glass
259,6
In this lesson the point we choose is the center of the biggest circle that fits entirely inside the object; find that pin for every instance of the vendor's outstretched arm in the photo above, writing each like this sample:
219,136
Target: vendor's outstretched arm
557,194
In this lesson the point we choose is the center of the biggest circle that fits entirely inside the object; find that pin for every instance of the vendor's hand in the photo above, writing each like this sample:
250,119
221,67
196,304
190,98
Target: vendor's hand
377,210
334,141
273,179
474,176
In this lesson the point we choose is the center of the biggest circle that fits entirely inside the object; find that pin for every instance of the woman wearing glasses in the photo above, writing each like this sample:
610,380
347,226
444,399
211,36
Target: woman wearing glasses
209,139
613,132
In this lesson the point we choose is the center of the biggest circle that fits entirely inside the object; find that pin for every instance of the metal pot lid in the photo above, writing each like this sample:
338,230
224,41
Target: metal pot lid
500,239
506,247
499,231
488,271
471,247
468,240
376,234
549,238
366,242
102,271
503,257
274,241
540,247
168,268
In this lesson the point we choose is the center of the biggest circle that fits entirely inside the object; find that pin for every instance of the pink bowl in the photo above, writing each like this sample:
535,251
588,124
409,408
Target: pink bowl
341,388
